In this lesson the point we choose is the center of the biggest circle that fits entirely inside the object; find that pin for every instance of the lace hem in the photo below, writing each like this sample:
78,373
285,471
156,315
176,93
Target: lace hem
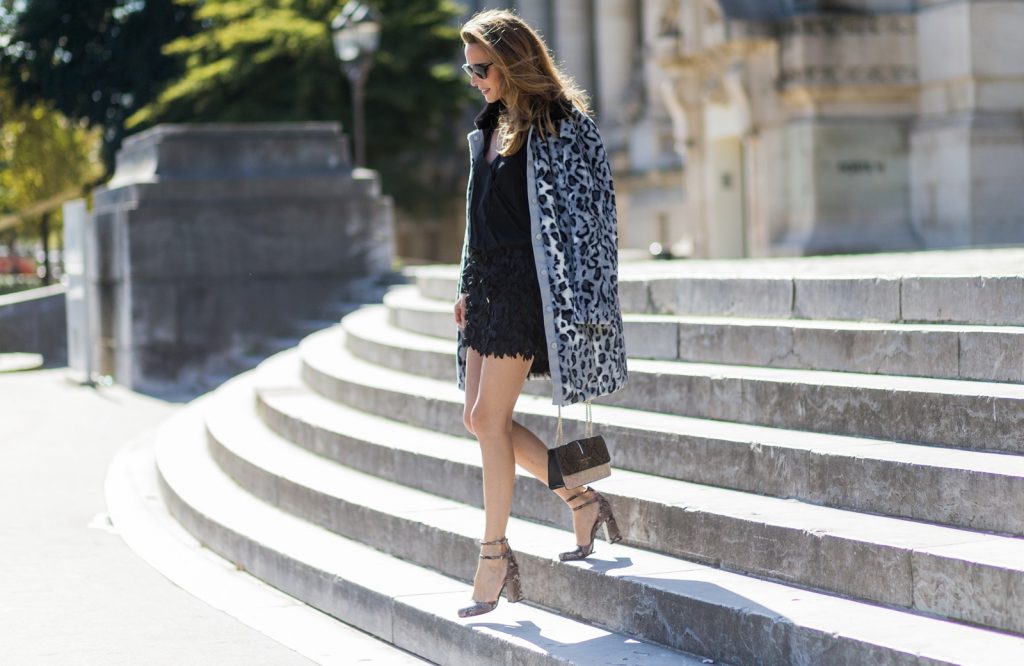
504,315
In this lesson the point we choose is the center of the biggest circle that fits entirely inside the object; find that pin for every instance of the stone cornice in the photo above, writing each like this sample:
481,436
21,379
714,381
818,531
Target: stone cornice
852,75
839,25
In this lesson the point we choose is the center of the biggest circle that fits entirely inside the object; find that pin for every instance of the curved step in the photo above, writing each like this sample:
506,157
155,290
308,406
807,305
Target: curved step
647,336
409,311
730,617
811,545
973,489
943,412
141,518
403,603
948,351
983,287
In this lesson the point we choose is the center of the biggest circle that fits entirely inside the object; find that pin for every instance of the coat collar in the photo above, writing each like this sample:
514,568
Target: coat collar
487,118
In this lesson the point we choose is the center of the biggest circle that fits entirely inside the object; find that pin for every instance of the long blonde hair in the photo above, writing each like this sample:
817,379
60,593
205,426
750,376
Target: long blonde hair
532,82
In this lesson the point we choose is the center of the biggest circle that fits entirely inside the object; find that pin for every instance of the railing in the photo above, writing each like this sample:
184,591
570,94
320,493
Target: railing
10,284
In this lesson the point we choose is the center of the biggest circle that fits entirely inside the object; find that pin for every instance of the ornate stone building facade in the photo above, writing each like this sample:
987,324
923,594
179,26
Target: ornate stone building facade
774,127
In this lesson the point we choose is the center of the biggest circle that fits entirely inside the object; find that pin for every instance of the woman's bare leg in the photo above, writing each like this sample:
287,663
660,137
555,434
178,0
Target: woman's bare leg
532,455
473,364
490,419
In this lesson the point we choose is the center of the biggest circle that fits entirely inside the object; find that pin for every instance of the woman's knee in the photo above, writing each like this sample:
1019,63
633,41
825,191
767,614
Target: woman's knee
484,421
467,420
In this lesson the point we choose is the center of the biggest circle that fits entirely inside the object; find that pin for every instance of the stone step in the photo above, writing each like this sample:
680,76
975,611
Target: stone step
974,489
973,287
728,616
813,546
141,519
985,416
398,601
20,362
987,353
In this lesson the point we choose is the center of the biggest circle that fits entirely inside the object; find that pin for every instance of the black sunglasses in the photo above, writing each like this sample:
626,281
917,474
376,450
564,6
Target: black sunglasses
479,69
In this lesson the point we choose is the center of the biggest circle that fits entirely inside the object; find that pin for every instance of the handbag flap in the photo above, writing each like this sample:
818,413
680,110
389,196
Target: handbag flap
582,454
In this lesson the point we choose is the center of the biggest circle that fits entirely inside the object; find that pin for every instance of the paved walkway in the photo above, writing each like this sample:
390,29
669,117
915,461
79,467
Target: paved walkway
73,592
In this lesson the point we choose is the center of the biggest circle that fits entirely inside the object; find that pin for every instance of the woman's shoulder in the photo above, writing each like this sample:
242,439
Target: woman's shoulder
580,128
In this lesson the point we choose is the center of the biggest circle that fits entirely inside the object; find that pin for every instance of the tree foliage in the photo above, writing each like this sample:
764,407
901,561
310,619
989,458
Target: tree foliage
125,65
92,60
42,153
272,60
45,158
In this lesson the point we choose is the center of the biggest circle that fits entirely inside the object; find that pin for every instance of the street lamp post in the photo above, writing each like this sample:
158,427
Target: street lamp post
356,35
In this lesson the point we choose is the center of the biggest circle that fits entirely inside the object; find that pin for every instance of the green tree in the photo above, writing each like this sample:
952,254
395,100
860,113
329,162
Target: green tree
45,158
272,60
93,60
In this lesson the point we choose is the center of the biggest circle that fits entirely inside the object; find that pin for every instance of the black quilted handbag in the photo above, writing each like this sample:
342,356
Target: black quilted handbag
580,461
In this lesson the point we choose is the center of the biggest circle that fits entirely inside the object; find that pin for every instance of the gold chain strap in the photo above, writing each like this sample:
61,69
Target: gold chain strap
560,437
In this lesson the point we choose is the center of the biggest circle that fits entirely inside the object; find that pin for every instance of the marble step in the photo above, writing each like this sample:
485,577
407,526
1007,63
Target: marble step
401,602
948,351
974,489
813,546
983,287
985,416
729,617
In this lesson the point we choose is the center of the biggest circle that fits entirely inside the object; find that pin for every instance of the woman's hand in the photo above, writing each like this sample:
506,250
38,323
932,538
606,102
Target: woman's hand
460,312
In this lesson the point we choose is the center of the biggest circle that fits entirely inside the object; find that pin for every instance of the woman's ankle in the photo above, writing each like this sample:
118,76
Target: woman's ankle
573,496
493,546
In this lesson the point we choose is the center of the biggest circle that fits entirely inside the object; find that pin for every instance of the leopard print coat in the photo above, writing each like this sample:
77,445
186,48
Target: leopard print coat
575,244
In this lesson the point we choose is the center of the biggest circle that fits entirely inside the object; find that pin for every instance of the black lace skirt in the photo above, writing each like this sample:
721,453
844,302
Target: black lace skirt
504,315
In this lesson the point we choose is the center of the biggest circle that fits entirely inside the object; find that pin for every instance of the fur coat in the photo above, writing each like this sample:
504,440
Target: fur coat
575,249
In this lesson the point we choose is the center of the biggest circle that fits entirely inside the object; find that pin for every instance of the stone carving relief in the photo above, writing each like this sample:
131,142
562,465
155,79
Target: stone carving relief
832,50
669,22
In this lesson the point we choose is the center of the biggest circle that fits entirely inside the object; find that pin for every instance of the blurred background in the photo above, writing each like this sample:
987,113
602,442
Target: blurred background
736,127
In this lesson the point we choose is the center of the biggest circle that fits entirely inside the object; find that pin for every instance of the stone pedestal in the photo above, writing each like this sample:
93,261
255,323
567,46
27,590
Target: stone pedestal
209,236
849,86
848,187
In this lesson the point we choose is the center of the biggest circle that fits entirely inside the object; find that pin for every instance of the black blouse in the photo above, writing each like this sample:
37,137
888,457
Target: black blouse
499,213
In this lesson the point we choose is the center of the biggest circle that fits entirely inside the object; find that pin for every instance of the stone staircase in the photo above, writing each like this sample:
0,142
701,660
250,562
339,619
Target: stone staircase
815,463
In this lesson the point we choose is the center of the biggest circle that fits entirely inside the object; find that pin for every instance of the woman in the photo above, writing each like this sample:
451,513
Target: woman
538,293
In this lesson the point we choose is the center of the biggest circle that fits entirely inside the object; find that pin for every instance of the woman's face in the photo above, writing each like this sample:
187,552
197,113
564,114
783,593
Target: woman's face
490,86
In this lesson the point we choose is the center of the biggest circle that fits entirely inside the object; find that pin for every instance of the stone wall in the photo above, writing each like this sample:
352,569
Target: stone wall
33,321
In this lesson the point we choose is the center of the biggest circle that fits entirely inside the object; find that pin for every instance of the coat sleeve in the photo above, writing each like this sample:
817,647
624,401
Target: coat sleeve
595,229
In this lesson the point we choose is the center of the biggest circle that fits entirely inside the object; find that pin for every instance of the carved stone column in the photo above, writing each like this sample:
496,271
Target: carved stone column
616,51
968,143
574,40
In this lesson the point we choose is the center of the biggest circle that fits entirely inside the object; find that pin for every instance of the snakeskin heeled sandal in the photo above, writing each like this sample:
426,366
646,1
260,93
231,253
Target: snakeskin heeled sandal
511,586
604,517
